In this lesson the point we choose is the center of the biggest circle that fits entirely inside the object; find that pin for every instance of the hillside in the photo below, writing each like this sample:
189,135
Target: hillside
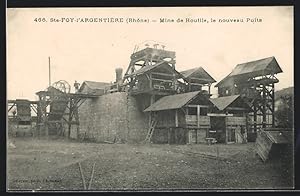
285,91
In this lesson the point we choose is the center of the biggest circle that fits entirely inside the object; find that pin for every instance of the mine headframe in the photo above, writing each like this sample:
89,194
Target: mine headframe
152,71
255,82
57,107
20,111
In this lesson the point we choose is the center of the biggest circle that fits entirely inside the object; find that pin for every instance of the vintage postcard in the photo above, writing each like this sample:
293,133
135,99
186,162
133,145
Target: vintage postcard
150,98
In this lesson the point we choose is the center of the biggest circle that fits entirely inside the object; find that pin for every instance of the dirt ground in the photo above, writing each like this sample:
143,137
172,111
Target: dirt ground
40,164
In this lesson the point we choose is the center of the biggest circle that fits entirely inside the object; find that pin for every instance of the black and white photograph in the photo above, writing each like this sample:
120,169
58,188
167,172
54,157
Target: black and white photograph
150,98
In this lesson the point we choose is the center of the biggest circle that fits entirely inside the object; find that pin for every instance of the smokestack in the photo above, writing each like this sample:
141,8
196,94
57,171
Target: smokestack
119,74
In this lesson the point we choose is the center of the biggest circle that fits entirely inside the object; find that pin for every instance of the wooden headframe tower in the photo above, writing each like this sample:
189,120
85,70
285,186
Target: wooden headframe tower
151,72
255,83
57,107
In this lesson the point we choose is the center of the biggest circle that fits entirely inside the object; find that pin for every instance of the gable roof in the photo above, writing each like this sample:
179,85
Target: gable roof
96,88
254,68
96,85
204,76
148,68
172,101
223,102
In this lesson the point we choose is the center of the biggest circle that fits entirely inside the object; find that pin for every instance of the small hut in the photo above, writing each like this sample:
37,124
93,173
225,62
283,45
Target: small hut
92,87
229,119
176,118
197,78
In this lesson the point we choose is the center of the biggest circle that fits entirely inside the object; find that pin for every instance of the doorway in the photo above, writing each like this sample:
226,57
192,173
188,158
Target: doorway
218,129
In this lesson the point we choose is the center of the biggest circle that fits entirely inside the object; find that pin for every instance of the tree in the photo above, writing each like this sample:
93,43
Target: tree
285,113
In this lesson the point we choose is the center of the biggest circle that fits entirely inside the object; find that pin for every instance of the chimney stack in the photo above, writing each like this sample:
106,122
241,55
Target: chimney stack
119,74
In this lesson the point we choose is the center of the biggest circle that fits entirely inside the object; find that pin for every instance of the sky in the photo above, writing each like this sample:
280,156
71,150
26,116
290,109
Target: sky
93,50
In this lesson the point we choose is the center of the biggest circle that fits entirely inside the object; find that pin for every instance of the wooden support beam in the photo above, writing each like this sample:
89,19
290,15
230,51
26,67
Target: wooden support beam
235,108
11,107
162,74
198,116
196,84
201,106
273,105
264,106
169,135
184,110
161,80
150,80
176,118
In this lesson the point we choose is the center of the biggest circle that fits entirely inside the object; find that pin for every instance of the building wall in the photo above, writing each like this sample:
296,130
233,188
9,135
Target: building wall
112,117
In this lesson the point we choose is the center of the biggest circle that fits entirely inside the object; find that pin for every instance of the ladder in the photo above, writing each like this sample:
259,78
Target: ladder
151,130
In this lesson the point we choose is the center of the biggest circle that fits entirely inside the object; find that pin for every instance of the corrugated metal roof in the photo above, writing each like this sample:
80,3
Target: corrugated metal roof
94,88
254,68
223,102
172,101
198,70
96,85
149,68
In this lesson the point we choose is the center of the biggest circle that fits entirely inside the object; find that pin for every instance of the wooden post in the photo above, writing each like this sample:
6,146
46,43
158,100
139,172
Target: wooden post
169,136
196,131
150,81
70,118
198,116
150,118
264,107
255,118
176,118
273,105
226,134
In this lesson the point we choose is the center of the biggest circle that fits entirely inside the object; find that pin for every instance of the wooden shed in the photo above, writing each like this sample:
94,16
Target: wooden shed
229,119
174,118
197,78
95,88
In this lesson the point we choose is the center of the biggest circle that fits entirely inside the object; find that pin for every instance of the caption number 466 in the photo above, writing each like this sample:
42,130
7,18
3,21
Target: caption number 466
40,20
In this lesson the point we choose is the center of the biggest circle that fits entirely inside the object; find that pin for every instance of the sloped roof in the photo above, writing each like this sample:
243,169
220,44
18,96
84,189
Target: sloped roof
172,101
254,68
96,85
201,72
149,68
223,102
96,88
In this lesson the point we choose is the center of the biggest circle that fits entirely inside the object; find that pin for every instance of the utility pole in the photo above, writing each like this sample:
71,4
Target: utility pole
49,72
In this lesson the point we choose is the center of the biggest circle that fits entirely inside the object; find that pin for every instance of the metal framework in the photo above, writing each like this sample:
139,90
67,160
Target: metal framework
55,108
16,114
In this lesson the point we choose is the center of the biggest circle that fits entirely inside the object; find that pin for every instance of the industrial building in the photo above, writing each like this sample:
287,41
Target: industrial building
154,102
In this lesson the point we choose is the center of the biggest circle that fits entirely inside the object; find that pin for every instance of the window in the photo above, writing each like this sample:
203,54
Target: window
192,111
203,111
